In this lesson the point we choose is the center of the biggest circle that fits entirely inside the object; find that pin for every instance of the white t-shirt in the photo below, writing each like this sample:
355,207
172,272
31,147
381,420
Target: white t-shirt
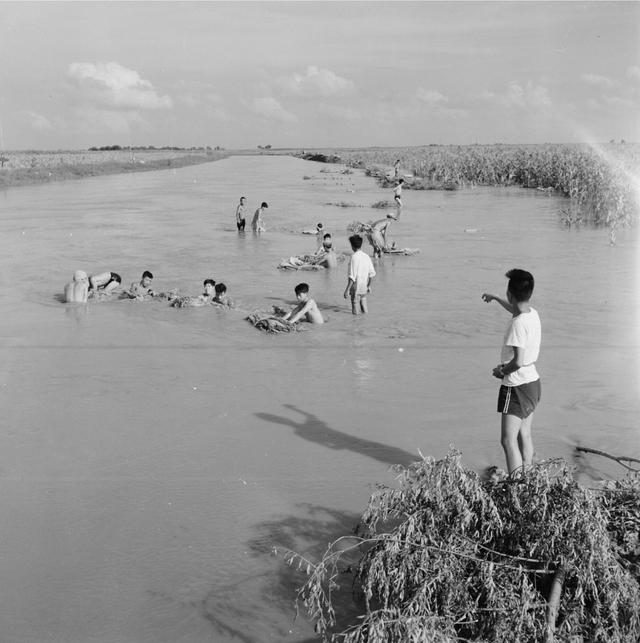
360,270
523,331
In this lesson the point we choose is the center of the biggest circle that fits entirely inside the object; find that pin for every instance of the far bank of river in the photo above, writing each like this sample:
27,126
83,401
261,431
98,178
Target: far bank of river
33,167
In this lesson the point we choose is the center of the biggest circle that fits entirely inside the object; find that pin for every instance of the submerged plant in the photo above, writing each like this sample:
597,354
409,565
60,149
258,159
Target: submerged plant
447,556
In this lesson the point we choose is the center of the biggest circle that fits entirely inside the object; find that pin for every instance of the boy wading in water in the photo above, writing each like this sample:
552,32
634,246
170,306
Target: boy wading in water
360,274
520,390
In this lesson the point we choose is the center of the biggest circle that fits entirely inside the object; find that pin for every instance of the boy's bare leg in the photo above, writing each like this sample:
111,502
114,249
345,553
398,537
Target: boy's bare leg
354,309
525,443
363,304
510,429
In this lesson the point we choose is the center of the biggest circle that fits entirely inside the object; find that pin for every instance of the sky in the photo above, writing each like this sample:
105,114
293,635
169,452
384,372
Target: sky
317,74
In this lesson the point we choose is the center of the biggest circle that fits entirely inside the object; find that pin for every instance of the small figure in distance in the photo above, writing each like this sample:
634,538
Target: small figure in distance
360,275
396,168
105,283
397,197
306,307
221,297
319,236
326,254
257,224
241,215
520,387
77,290
142,289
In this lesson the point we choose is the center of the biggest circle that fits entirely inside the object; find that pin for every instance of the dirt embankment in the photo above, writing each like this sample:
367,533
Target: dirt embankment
29,167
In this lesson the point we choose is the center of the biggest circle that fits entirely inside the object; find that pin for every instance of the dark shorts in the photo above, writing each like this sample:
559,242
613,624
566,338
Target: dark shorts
520,401
240,224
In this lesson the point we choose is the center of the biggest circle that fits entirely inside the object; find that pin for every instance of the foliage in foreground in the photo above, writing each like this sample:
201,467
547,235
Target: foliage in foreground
446,556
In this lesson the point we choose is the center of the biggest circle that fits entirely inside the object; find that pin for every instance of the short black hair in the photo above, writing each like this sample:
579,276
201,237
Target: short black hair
264,204
356,241
220,288
116,277
401,181
301,288
243,197
327,235
520,284
319,225
146,273
209,281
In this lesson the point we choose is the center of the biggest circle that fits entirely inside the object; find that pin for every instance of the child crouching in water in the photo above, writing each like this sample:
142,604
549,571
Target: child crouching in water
520,389
221,297
306,307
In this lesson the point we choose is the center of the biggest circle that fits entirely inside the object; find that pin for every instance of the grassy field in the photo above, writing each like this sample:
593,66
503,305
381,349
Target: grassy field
602,182
29,167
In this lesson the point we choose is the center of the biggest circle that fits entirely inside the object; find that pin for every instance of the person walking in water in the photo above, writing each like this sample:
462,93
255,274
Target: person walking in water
397,197
257,224
241,214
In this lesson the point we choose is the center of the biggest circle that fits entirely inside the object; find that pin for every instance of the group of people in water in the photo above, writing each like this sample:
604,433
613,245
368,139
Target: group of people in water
103,285
107,284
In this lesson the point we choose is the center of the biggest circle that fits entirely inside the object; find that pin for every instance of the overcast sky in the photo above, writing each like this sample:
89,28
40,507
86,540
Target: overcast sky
307,74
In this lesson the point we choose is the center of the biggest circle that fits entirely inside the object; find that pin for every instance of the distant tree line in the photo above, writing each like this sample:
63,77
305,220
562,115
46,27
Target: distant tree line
139,148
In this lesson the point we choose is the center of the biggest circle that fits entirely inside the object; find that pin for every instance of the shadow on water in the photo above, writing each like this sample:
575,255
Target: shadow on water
307,534
315,430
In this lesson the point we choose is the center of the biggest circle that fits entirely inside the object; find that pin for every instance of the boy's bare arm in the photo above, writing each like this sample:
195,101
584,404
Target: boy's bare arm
349,284
503,302
510,367
302,312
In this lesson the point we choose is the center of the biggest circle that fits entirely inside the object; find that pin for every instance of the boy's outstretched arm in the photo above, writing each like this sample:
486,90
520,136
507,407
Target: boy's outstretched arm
503,302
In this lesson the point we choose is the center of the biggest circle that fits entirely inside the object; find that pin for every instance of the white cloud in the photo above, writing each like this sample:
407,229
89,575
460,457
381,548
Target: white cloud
316,82
438,104
431,97
527,97
595,79
340,112
38,121
269,108
112,86
633,73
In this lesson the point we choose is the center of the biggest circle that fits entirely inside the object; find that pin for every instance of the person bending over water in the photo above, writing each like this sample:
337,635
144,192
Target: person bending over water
378,236
77,290
306,307
105,283
257,224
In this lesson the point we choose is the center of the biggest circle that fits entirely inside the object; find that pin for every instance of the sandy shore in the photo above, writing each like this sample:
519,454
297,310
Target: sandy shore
30,167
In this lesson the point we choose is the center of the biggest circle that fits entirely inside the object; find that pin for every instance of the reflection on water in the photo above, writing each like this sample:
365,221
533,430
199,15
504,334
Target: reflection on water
152,457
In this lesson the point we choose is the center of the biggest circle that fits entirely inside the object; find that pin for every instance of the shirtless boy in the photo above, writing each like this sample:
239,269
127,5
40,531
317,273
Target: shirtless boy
142,288
76,291
306,307
240,215
257,224
105,282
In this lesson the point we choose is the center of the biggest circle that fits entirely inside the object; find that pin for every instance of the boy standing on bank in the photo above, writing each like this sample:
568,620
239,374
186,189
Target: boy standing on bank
360,274
520,390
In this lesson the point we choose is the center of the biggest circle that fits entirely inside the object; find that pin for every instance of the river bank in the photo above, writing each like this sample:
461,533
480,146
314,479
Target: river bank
33,167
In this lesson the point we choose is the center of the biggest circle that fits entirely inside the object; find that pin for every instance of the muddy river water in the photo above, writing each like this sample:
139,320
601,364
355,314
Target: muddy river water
151,458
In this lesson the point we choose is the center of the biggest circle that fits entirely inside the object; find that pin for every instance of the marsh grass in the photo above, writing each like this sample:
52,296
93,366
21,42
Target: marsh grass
447,556
603,181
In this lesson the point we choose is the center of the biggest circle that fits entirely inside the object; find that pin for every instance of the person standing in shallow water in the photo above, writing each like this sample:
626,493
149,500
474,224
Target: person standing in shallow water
396,169
241,214
257,224
359,276
520,383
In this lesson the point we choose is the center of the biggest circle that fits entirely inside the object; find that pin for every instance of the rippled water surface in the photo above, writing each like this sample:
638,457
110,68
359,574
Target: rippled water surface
152,457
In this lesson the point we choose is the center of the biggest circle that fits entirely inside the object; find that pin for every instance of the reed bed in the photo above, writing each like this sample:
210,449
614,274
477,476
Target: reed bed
602,182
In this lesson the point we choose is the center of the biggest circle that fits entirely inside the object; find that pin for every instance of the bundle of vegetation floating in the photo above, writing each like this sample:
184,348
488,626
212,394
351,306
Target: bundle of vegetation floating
448,556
